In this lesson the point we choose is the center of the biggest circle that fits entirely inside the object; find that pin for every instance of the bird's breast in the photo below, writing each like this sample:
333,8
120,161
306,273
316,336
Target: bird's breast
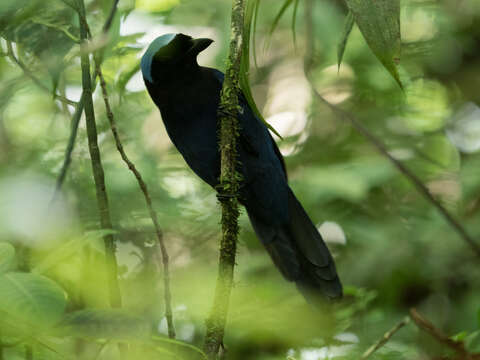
192,128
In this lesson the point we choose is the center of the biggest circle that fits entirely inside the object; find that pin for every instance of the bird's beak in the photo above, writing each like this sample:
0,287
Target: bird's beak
200,44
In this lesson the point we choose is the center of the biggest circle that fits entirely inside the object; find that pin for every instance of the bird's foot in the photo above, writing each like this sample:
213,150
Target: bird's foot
222,112
222,196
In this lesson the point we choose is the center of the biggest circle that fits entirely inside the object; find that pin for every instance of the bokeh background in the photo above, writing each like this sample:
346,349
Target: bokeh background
393,249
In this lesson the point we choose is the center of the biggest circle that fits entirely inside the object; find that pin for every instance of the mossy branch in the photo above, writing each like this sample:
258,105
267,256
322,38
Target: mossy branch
148,200
98,173
229,184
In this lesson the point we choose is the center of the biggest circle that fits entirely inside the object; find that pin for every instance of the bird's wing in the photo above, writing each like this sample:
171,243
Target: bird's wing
245,137
265,188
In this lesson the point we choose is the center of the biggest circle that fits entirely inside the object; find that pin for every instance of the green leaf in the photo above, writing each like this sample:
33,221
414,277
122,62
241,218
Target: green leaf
32,299
254,14
252,6
349,21
294,22
126,75
7,257
181,344
472,342
350,181
460,336
43,32
156,6
104,324
69,249
284,7
379,22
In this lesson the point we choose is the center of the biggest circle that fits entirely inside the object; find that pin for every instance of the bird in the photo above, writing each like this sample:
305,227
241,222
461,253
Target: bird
188,96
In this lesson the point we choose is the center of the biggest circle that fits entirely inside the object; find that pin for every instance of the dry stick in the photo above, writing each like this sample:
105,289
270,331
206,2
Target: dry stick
377,143
229,185
98,174
386,337
153,215
28,73
428,327
77,115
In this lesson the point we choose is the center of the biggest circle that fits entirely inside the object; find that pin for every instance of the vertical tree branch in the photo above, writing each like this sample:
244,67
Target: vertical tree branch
229,184
78,113
153,215
98,174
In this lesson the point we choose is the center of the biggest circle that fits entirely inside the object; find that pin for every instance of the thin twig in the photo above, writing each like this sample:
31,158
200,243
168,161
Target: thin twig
421,188
76,116
385,338
98,173
153,215
229,184
71,144
111,16
378,144
27,72
58,28
428,327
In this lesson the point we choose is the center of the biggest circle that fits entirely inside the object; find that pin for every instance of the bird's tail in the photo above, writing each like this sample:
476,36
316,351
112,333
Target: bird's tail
300,253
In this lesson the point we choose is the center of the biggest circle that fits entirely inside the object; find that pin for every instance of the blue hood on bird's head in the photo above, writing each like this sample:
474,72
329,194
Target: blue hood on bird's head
147,58
171,48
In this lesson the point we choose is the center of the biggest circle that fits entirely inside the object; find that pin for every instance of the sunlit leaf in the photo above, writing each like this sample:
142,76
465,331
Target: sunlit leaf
349,21
379,22
156,5
68,249
427,106
33,299
460,336
472,342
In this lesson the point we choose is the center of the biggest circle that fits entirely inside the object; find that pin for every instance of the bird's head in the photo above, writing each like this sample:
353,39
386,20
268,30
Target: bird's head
171,52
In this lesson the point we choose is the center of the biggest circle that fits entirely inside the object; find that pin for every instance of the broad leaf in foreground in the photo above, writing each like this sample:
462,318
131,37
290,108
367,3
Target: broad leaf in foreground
31,299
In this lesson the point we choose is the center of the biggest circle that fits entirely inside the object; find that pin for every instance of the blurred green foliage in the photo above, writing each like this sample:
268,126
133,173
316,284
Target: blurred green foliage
393,250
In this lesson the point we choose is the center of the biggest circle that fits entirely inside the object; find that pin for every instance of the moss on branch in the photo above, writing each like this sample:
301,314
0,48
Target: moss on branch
229,184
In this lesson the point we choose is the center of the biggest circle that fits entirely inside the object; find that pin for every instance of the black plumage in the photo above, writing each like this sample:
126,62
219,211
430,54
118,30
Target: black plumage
188,96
